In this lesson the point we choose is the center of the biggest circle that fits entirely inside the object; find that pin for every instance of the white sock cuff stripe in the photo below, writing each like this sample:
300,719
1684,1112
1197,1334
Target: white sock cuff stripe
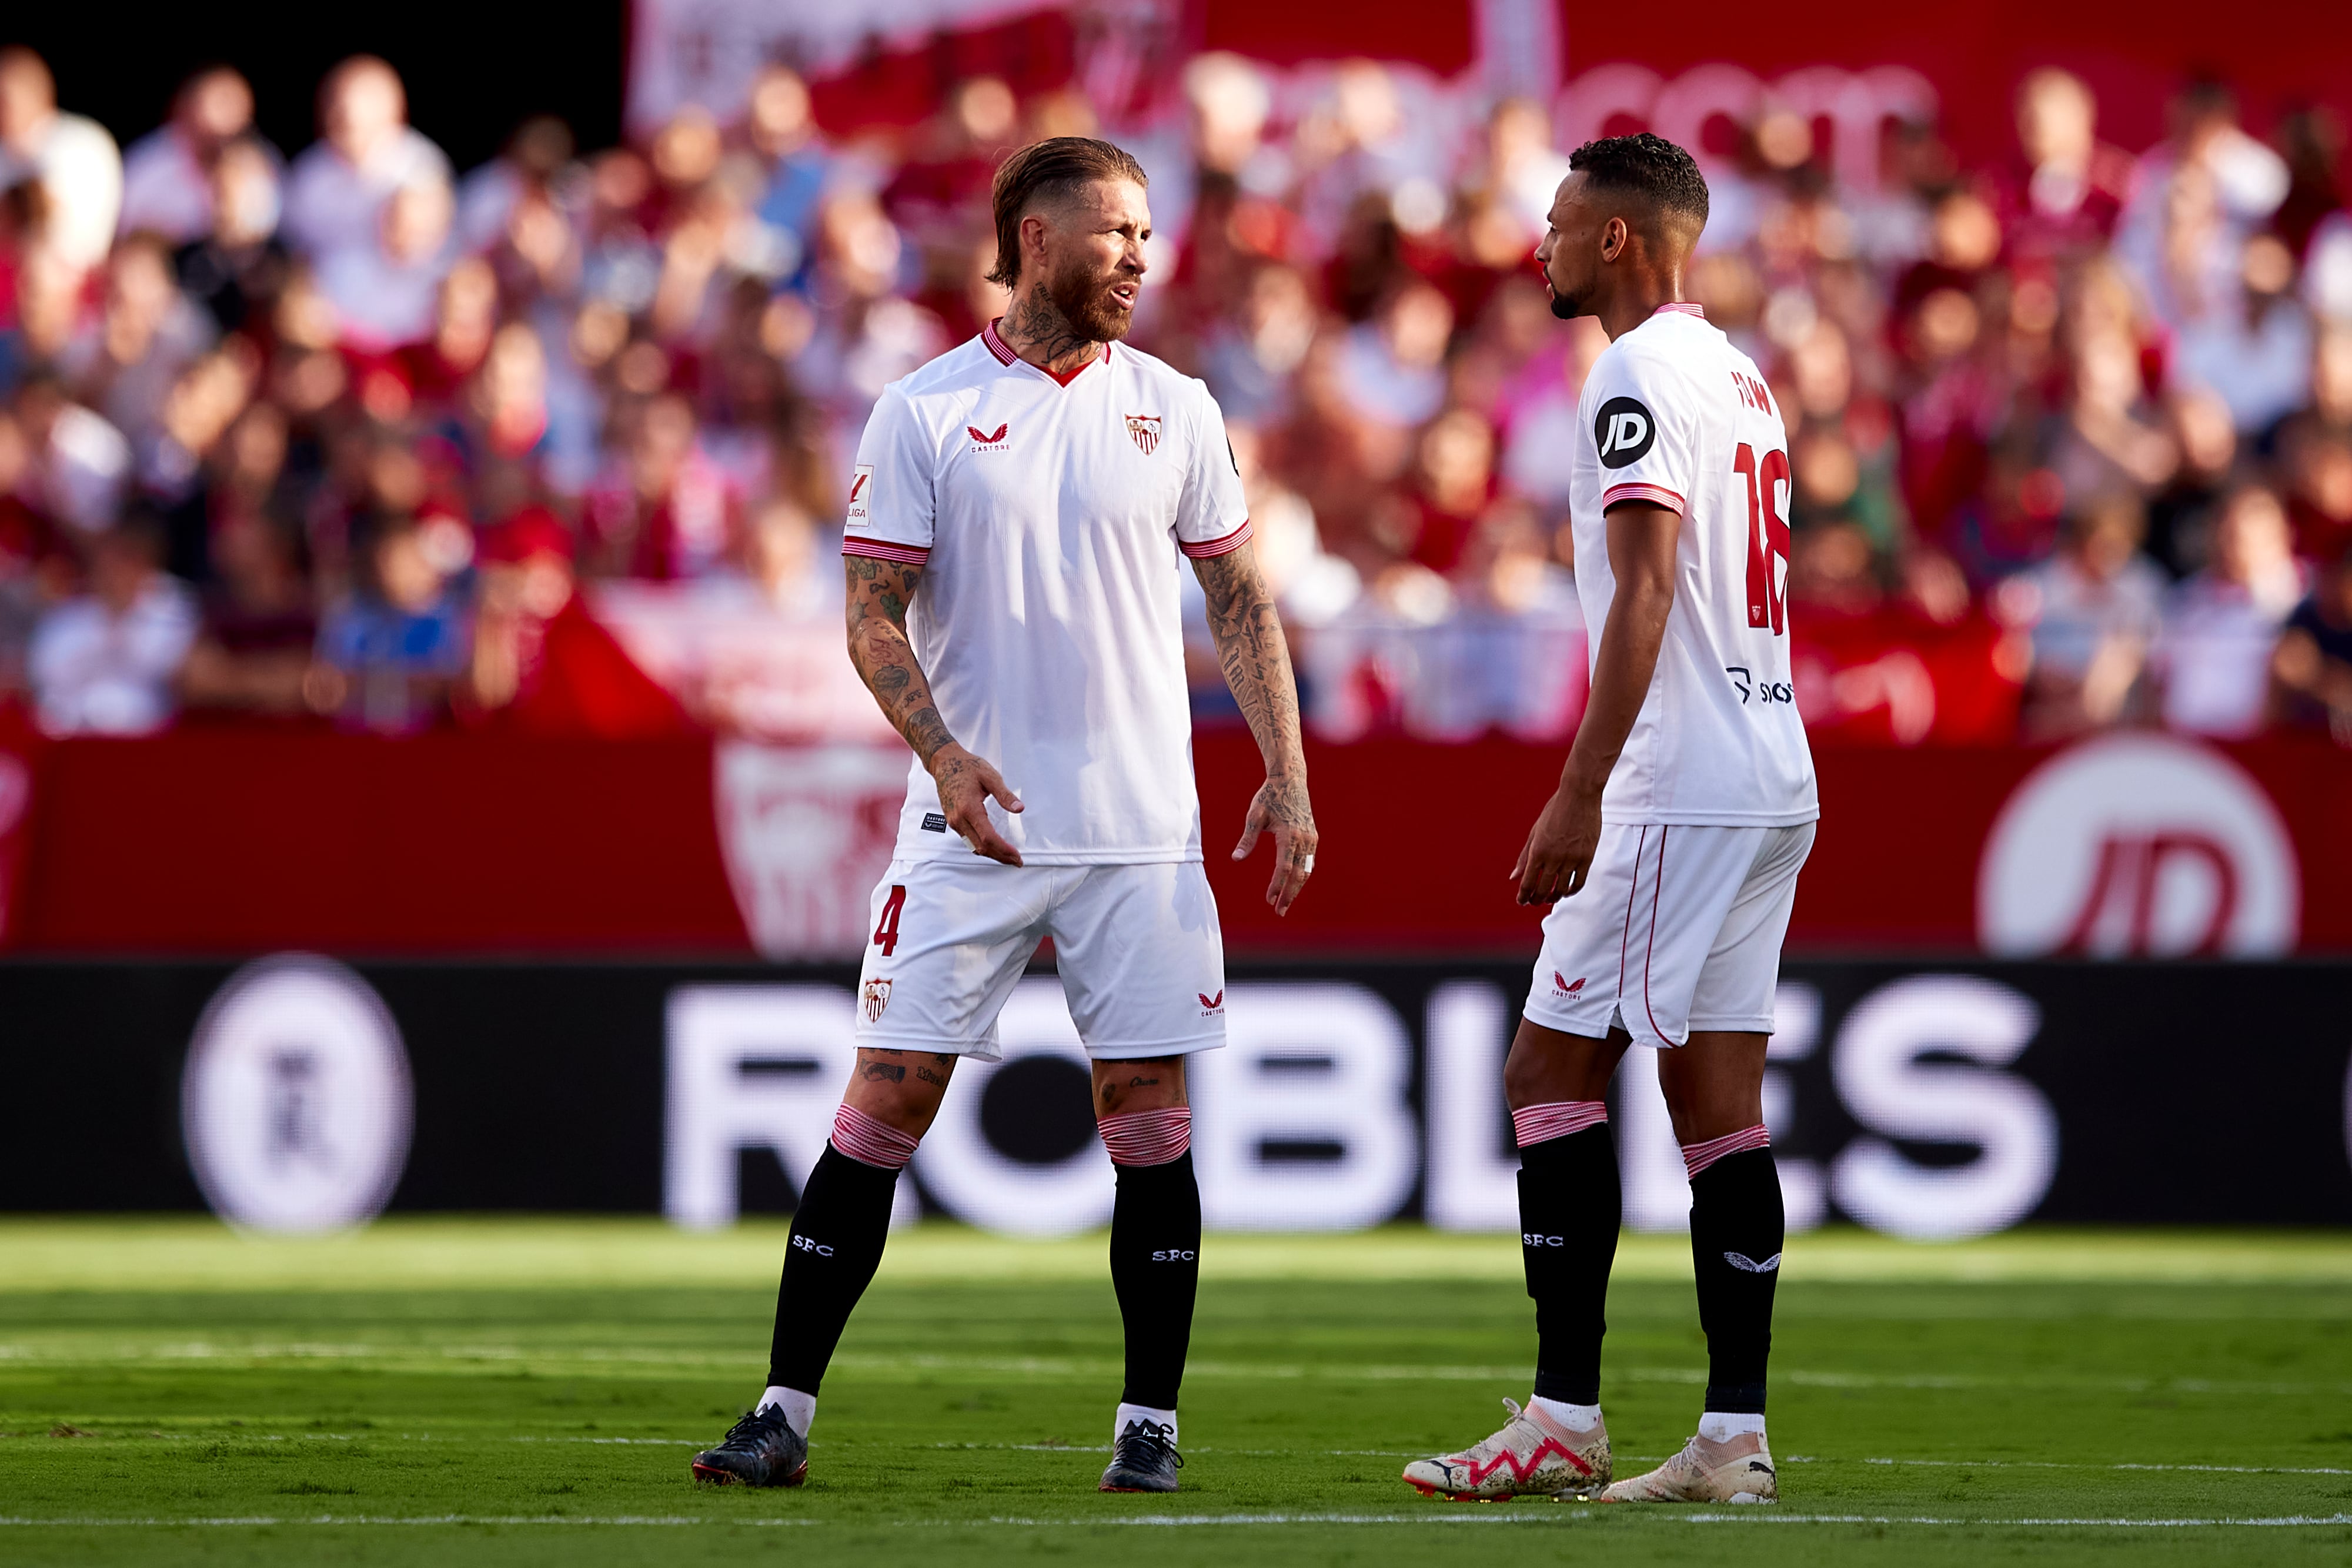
1540,1124
1696,1157
1147,1137
871,1141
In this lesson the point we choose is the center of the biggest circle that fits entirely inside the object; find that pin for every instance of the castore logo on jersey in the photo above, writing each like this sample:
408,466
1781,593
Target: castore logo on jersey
981,443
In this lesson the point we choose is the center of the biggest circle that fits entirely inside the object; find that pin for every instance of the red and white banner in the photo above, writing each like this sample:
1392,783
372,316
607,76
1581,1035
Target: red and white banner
1849,62
218,843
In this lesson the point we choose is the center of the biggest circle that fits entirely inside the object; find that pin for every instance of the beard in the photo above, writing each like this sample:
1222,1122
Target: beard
1083,296
1567,306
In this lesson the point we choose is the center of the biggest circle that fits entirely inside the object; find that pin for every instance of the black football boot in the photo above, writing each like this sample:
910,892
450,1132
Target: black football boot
760,1451
1145,1460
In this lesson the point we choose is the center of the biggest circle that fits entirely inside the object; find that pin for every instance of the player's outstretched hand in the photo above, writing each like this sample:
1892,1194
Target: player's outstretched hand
1280,807
967,783
1559,849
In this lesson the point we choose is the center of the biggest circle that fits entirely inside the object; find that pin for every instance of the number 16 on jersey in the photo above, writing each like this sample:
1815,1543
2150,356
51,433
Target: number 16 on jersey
1768,538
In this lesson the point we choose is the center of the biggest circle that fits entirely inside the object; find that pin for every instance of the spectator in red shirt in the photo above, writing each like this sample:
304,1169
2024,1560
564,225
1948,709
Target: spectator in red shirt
255,647
2315,452
1453,480
540,664
668,511
2066,191
465,318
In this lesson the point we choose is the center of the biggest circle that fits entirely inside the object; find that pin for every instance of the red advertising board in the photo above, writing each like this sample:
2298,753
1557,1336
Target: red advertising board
226,843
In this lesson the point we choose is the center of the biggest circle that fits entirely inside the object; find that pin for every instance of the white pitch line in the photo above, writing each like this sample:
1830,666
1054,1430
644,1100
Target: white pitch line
2098,1465
1766,1515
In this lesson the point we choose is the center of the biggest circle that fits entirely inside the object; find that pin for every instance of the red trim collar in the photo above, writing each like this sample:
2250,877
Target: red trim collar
1682,307
1005,354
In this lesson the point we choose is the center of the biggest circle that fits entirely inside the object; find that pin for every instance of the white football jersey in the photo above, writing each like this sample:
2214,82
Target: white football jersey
1051,516
1674,414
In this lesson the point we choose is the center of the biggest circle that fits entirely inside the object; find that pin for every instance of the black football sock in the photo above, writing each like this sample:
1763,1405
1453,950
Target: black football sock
836,1244
1569,1213
1736,1230
1155,1267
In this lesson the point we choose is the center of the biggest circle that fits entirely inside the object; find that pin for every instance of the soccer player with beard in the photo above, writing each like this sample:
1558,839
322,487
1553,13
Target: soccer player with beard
1016,521
1670,852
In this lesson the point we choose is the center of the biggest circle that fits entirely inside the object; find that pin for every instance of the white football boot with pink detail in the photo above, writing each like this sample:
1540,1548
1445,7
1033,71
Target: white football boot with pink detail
1532,1456
1738,1468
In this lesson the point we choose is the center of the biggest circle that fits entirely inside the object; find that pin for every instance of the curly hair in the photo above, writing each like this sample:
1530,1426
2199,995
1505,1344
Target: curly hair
1648,165
1052,171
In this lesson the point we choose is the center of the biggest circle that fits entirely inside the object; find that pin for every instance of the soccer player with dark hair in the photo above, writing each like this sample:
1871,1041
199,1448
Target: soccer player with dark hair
1669,854
1016,519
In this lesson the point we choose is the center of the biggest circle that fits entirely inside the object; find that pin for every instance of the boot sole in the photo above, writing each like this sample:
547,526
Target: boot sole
717,1476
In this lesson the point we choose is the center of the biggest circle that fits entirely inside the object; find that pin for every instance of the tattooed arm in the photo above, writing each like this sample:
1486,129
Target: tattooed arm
879,592
1256,660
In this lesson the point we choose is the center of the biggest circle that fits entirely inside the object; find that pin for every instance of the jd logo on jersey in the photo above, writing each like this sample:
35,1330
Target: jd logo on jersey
1623,431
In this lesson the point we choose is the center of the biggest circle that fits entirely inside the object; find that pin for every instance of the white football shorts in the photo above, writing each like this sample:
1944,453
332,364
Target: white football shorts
1676,928
1142,961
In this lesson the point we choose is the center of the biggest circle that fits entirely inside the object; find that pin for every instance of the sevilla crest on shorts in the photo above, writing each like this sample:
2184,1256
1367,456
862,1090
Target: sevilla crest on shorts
876,998
1145,428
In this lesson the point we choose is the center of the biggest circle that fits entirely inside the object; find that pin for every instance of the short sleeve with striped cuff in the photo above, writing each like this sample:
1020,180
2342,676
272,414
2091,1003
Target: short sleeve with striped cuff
1211,517
891,515
1642,431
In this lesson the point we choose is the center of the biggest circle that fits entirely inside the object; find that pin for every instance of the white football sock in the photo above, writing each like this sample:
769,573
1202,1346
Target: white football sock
799,1408
1143,1413
1575,1418
1717,1427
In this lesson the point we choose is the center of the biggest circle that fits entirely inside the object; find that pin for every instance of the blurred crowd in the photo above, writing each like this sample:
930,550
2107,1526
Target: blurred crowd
557,443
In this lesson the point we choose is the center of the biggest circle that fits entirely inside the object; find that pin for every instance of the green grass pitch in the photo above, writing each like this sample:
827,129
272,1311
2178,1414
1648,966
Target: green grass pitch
521,1391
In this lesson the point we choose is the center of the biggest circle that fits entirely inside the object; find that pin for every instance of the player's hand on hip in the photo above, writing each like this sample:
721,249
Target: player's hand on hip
1280,807
967,784
1559,849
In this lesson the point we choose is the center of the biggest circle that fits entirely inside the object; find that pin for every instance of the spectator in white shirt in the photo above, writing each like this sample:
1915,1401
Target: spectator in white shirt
104,662
2214,653
2255,351
167,179
1392,367
366,151
82,464
123,364
74,158
386,295
2095,609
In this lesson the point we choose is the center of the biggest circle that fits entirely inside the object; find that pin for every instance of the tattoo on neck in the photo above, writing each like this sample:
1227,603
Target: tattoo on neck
1034,325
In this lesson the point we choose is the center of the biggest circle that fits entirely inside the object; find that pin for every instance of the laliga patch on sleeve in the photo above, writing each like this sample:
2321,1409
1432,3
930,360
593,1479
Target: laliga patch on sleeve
1623,431
861,493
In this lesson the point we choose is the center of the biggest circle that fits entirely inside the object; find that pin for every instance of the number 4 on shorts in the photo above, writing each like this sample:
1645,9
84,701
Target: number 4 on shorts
886,934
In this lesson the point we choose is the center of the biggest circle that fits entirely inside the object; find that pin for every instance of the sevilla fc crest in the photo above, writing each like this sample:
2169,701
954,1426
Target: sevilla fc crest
1145,428
876,999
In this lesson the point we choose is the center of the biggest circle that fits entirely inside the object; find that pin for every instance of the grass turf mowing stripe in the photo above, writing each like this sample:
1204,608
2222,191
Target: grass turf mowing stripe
574,1405
1964,1464
451,1359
